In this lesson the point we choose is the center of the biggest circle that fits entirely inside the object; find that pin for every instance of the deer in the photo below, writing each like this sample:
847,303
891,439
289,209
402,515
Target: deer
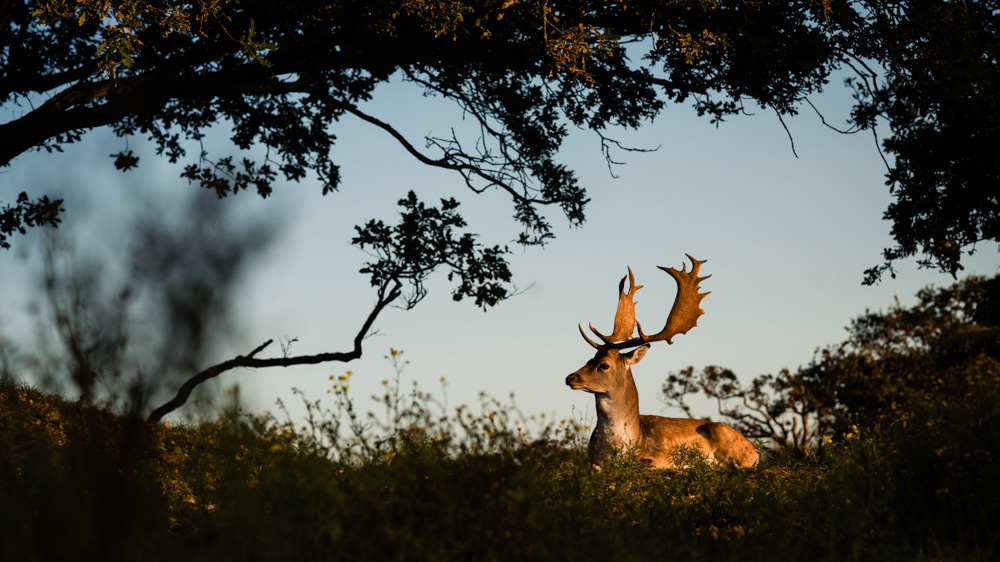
608,376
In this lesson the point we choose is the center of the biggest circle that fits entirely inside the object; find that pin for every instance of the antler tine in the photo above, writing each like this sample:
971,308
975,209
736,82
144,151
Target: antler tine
607,340
687,304
584,334
624,315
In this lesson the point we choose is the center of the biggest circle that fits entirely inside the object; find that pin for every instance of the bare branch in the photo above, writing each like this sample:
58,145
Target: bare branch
608,142
791,140
853,62
452,161
854,129
385,297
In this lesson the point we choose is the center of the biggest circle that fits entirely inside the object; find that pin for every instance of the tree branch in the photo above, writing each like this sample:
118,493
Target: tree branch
44,82
88,105
448,162
791,139
249,360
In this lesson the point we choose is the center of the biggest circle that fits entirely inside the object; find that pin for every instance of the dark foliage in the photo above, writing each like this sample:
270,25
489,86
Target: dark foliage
425,239
282,75
27,213
939,98
81,483
894,364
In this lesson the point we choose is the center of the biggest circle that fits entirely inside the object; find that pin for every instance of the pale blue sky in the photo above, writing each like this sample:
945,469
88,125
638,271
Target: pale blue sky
786,240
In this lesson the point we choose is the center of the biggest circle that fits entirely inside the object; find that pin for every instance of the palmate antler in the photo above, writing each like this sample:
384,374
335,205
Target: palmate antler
683,315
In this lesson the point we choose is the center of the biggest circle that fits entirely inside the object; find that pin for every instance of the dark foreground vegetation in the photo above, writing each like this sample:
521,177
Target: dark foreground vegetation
79,482
888,448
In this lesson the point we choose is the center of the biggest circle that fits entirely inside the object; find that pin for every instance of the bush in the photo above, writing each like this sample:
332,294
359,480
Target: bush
79,482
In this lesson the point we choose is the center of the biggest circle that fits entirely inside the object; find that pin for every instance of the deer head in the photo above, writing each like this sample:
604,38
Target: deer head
609,372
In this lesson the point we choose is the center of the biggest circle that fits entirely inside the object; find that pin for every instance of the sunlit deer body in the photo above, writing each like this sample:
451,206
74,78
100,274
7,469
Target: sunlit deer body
608,376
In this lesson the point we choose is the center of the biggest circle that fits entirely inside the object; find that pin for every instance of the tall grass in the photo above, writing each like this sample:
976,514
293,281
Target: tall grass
419,482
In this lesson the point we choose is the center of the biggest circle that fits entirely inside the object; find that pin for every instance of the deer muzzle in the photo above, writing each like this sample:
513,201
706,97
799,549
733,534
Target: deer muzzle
574,381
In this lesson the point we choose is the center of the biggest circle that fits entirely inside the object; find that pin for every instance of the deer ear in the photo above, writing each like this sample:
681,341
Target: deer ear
636,354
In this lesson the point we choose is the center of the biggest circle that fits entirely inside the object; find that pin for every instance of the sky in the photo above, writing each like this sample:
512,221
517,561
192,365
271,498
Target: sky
787,239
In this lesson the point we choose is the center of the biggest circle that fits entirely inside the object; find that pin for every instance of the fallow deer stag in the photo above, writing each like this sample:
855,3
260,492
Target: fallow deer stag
608,376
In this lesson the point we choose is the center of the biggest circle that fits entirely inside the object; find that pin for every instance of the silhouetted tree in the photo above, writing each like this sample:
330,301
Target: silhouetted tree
281,75
894,364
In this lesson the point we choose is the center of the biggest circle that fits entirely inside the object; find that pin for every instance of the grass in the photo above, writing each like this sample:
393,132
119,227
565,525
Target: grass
80,482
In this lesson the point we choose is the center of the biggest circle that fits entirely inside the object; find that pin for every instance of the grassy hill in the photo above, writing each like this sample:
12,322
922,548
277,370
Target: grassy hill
78,482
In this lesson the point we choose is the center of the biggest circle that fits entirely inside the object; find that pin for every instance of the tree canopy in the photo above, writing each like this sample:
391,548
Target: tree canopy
281,75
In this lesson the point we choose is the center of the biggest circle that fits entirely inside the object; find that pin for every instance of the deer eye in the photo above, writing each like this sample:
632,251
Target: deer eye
603,367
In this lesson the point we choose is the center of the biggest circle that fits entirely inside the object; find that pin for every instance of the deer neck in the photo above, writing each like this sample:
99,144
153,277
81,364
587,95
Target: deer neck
618,415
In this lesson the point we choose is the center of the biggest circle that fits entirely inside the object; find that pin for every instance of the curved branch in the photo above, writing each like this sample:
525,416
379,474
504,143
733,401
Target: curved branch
43,83
608,142
440,163
822,118
89,105
468,106
853,61
447,163
791,139
249,360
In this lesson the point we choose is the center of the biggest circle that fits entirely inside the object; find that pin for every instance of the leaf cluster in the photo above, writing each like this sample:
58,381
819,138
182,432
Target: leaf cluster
936,90
424,240
26,213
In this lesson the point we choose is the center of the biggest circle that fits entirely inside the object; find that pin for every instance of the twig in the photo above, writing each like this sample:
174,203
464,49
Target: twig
787,132
249,360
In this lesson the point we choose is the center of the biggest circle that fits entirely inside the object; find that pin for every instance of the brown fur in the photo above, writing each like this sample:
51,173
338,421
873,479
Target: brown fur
720,443
652,438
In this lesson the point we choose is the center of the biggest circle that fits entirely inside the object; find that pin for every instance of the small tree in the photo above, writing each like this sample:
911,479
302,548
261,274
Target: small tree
944,348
